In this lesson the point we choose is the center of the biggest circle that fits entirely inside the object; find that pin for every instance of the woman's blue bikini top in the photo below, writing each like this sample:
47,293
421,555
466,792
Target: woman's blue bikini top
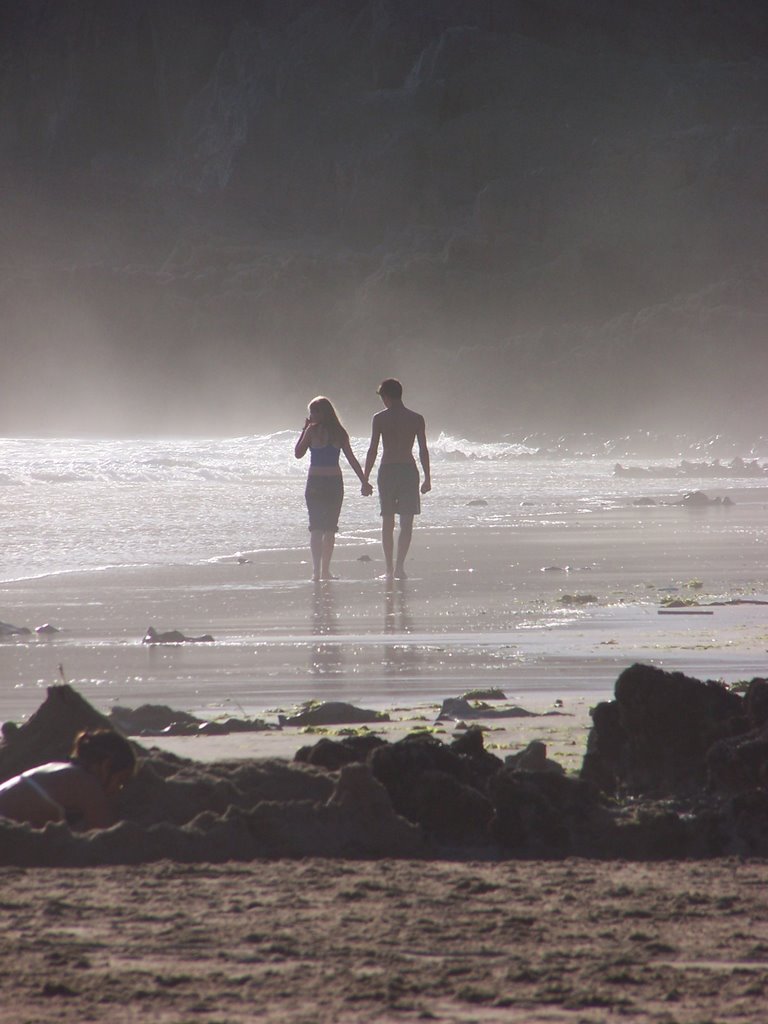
328,455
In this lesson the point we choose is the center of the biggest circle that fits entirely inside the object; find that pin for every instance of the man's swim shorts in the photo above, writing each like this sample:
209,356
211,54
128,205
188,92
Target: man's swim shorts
399,489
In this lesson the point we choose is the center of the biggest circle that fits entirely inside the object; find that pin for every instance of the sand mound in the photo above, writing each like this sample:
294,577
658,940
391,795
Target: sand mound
185,811
50,733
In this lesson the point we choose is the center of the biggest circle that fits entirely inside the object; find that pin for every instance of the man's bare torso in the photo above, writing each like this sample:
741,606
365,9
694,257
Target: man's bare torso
398,427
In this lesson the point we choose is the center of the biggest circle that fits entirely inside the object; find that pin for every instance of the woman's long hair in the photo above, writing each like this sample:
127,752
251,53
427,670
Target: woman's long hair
321,409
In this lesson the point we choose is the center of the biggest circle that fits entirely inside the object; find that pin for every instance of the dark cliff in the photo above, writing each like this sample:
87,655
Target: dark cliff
549,213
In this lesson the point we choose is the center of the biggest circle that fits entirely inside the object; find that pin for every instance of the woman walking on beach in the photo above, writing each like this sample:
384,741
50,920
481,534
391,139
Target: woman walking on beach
325,438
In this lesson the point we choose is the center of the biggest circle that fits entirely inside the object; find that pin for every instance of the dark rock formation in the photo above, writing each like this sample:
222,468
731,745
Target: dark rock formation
735,468
441,788
333,712
333,754
542,814
160,720
739,763
459,709
46,629
7,629
174,636
675,767
152,719
533,759
492,693
654,739
698,499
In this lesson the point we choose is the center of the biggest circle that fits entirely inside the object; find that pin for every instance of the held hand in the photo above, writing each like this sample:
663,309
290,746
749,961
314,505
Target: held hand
366,490
426,487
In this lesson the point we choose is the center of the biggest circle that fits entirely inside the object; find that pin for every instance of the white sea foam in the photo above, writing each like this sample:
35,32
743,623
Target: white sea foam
69,504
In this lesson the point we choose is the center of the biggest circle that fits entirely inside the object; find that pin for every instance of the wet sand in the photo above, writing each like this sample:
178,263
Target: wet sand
483,607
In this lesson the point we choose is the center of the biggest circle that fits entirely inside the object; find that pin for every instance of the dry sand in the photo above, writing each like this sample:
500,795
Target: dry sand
331,941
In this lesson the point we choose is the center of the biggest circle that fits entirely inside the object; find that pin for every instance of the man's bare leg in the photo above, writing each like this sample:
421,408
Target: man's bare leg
403,543
388,543
316,547
329,540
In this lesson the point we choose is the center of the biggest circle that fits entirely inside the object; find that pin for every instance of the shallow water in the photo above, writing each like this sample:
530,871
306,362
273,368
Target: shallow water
72,504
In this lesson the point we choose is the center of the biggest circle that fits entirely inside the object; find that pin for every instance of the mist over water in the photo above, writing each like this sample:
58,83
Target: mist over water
543,217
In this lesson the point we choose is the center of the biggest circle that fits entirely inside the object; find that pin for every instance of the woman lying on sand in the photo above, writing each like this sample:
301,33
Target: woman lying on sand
80,791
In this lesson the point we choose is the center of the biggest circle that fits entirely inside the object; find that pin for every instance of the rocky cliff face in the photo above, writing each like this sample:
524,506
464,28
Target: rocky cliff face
555,204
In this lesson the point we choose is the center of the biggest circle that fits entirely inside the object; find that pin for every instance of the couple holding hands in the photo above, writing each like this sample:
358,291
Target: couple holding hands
324,437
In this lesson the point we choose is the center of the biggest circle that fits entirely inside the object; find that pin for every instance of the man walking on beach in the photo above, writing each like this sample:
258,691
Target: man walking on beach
398,477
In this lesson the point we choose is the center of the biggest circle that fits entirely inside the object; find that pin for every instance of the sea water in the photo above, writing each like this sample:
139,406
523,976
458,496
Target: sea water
86,504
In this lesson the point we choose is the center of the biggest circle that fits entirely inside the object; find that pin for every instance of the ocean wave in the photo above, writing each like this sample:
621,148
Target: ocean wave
591,445
250,459
453,448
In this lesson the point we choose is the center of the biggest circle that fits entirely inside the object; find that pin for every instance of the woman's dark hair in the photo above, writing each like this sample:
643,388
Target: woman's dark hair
94,746
323,410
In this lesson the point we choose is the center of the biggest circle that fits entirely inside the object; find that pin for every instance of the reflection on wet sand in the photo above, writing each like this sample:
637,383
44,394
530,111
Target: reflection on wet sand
325,658
404,657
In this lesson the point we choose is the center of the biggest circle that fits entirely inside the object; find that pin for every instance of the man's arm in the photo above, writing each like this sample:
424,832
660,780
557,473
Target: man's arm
421,437
373,448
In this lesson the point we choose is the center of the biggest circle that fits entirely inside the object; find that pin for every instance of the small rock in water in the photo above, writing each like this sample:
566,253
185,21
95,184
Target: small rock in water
698,499
6,629
46,629
477,503
174,636
332,713
364,558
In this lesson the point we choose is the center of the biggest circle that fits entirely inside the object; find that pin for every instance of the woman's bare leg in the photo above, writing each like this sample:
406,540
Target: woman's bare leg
316,547
329,541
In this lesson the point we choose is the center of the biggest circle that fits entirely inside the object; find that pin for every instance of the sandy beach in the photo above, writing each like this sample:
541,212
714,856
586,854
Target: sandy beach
573,942
550,615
